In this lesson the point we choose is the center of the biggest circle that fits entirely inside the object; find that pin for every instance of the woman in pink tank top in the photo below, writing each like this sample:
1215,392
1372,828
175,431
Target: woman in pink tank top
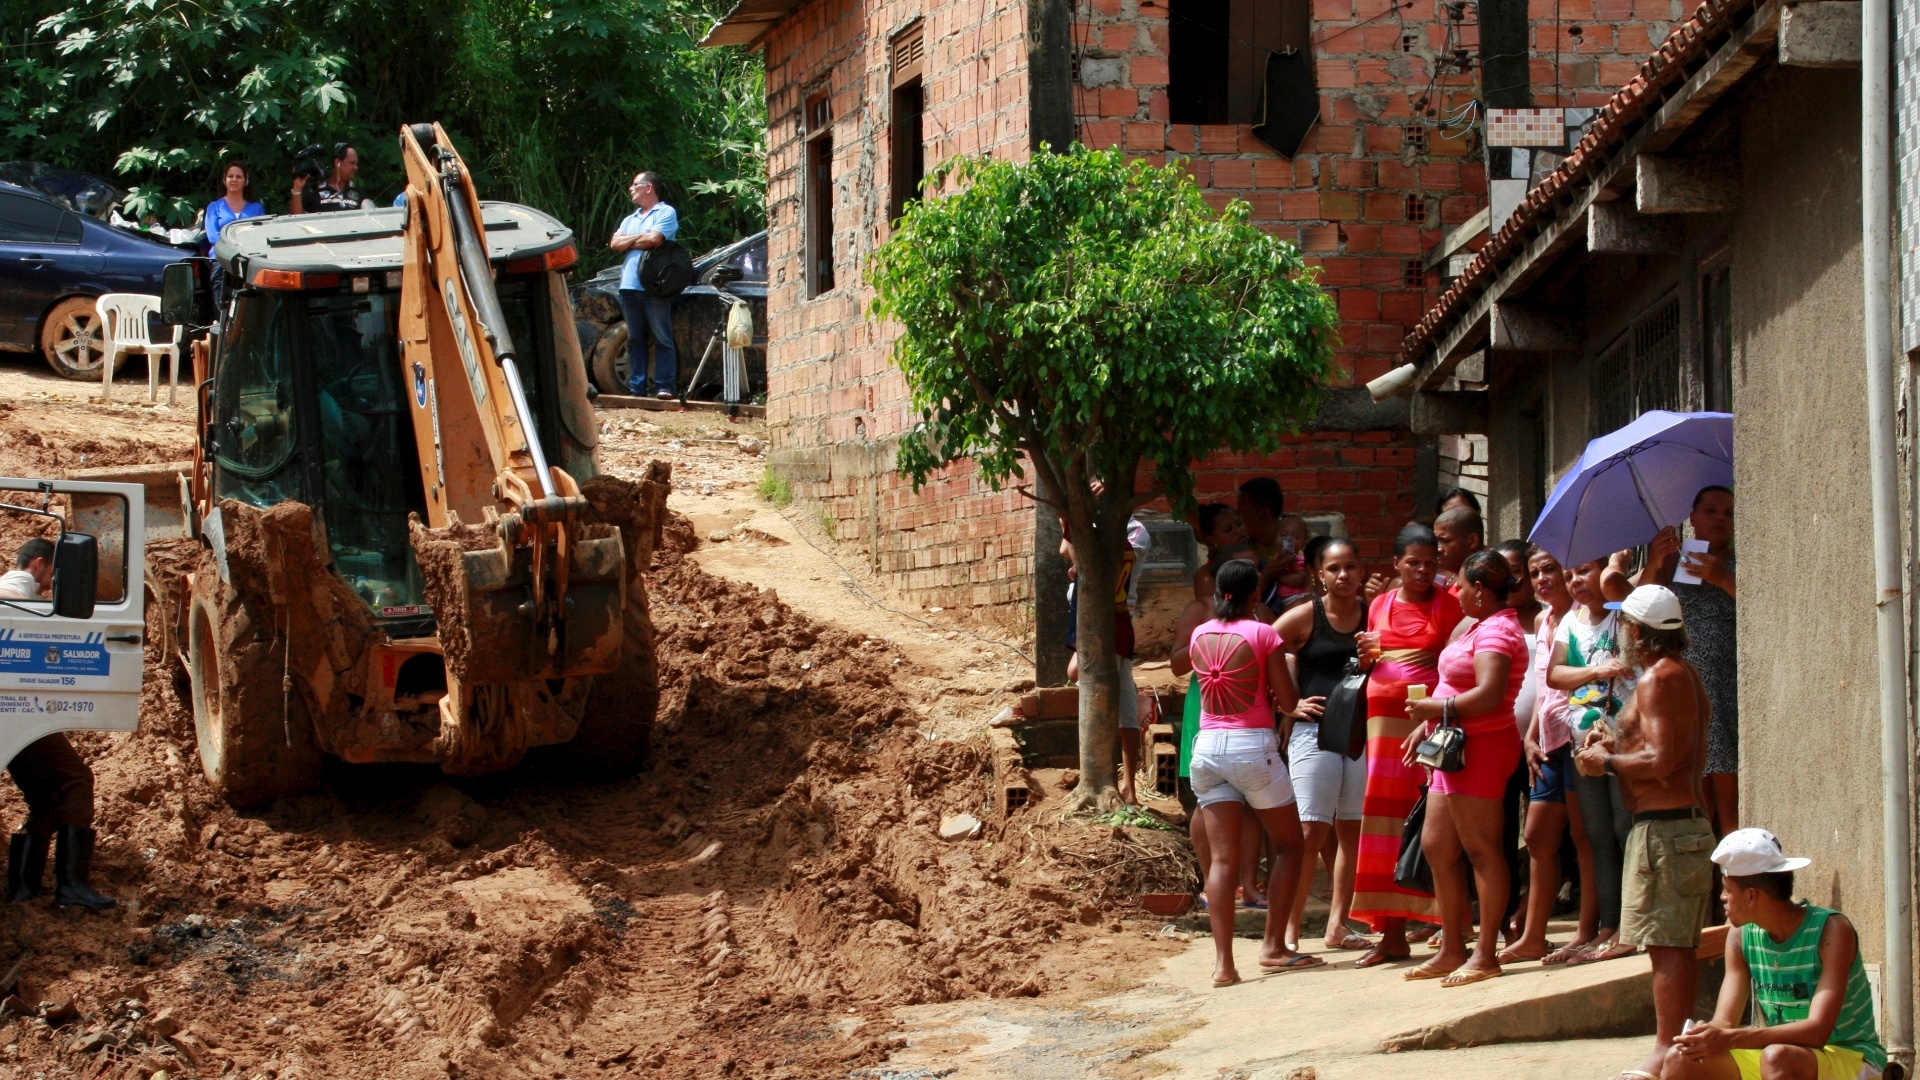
1241,672
1480,676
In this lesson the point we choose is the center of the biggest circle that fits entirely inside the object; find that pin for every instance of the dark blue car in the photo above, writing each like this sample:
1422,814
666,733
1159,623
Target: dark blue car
53,263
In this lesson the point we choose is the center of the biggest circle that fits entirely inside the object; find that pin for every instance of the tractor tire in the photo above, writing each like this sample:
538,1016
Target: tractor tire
610,360
255,739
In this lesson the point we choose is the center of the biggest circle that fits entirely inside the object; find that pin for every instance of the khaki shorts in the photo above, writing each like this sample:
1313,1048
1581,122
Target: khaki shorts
1667,881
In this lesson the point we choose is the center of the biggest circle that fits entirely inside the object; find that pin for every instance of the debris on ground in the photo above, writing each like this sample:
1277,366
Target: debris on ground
754,903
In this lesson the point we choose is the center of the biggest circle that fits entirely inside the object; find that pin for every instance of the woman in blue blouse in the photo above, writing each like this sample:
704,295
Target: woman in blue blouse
236,203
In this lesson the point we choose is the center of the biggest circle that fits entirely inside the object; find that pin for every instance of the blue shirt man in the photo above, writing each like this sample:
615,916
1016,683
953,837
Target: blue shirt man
649,317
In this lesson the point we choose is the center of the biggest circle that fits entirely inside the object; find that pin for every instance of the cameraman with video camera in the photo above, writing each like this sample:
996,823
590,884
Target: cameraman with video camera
315,191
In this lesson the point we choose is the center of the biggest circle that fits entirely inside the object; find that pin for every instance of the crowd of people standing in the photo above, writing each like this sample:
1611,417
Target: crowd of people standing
1524,658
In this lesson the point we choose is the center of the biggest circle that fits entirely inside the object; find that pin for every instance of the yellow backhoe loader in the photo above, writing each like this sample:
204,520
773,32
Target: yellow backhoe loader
402,549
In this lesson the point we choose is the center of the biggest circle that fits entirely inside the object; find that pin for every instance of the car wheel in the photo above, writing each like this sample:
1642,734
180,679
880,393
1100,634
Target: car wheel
610,360
73,339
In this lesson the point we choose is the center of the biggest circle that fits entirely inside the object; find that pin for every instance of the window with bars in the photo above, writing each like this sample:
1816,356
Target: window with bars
1641,370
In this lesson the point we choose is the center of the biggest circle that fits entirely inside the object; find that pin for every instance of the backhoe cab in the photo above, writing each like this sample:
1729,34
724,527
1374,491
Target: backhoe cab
398,559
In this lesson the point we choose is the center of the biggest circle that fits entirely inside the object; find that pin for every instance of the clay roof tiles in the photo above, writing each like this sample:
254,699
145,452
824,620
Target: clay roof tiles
1661,74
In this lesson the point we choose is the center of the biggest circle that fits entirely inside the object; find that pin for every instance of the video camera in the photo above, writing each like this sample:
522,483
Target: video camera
312,162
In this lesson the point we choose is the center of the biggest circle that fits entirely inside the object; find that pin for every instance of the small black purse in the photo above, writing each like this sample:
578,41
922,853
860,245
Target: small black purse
1343,718
1446,748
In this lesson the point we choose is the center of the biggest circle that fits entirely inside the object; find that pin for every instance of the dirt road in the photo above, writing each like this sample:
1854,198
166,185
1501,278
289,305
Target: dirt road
756,903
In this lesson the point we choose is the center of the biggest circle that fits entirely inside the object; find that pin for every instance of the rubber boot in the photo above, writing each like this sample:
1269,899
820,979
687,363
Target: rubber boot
26,866
72,862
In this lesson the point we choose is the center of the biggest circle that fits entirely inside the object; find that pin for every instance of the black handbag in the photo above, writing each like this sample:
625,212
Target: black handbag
1411,870
1445,749
1343,717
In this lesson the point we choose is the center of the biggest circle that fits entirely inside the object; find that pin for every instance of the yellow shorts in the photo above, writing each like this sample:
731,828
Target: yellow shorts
1835,1063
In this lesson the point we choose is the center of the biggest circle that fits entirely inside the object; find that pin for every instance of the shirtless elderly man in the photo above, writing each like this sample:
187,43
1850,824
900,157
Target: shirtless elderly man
1659,754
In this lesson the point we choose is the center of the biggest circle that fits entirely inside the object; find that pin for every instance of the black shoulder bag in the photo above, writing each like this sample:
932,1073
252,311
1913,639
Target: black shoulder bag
666,270
1411,870
1343,718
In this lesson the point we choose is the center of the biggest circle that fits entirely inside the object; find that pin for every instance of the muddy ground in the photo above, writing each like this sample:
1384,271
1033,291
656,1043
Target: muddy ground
755,903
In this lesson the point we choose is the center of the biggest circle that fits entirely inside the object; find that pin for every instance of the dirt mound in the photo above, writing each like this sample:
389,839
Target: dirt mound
752,904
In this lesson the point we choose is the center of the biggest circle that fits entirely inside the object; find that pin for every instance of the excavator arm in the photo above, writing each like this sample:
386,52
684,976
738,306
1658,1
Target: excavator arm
522,587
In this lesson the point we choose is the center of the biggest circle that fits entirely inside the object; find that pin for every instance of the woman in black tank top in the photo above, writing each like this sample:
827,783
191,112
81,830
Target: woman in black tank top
1322,638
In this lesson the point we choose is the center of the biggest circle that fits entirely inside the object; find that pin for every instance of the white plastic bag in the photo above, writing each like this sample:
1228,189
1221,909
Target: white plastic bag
740,327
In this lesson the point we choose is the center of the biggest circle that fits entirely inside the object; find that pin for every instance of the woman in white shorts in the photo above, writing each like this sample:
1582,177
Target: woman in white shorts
1332,787
1241,670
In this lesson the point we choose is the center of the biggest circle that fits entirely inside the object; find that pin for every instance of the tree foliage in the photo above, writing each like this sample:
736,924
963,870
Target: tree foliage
554,103
1092,319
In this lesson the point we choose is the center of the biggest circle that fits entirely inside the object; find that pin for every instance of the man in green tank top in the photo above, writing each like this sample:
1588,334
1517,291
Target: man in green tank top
1800,964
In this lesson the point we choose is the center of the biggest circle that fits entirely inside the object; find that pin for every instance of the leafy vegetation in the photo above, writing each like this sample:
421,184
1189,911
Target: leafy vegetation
555,103
1093,320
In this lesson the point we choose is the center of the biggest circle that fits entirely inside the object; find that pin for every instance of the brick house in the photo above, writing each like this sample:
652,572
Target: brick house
864,95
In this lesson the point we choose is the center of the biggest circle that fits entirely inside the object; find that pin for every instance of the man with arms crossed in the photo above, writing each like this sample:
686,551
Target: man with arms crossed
1658,754
1801,965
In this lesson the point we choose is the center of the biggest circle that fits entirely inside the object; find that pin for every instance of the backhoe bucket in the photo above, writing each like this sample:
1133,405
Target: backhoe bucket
483,596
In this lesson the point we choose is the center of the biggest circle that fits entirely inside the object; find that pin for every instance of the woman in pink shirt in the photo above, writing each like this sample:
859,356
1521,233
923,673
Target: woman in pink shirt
1480,676
1241,671
1549,751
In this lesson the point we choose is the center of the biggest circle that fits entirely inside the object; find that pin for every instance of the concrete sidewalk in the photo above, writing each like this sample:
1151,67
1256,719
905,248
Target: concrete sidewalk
1346,1024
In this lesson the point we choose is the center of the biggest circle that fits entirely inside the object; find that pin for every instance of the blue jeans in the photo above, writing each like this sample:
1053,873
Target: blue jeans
649,316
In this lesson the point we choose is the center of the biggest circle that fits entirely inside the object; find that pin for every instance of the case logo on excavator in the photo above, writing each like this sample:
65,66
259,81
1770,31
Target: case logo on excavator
420,385
469,359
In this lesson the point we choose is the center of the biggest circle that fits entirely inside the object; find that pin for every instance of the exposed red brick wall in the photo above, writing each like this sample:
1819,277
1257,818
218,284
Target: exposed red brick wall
835,404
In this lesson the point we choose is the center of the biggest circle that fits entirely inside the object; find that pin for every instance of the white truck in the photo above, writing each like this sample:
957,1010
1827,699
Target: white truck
74,662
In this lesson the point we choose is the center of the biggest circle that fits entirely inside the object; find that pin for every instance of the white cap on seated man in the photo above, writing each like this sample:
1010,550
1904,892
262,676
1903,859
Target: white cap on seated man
33,572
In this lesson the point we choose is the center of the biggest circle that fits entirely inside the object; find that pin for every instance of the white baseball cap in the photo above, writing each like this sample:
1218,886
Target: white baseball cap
1651,605
1746,852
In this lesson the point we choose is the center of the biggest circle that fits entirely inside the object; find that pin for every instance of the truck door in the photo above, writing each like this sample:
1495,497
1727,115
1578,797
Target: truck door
71,674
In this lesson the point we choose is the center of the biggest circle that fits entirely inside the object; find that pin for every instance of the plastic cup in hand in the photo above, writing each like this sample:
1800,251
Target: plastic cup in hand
1417,692
1370,646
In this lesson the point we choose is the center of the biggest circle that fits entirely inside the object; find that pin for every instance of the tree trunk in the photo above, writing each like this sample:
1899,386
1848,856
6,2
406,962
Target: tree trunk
1049,595
1096,561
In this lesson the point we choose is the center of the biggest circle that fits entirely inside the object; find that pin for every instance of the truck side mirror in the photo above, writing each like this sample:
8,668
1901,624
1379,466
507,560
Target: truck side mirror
186,293
76,569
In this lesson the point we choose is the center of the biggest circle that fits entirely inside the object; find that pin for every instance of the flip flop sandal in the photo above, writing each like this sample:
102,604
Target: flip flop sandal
1300,962
1423,972
1565,954
1465,977
1375,958
1354,943
1421,934
1613,951
1219,984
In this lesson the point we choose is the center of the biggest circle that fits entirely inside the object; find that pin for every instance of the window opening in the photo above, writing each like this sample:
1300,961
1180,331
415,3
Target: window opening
1217,53
819,197
906,134
1640,371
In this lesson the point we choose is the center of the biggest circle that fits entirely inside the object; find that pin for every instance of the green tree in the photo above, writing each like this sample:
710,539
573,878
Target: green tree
554,103
1092,319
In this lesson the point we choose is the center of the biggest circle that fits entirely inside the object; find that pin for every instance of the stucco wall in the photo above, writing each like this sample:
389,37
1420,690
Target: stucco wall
1809,730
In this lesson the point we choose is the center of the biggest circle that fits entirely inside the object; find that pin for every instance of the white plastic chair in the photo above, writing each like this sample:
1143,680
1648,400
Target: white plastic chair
124,320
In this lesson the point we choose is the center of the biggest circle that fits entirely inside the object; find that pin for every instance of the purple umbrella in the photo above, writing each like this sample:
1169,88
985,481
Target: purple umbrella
1631,483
